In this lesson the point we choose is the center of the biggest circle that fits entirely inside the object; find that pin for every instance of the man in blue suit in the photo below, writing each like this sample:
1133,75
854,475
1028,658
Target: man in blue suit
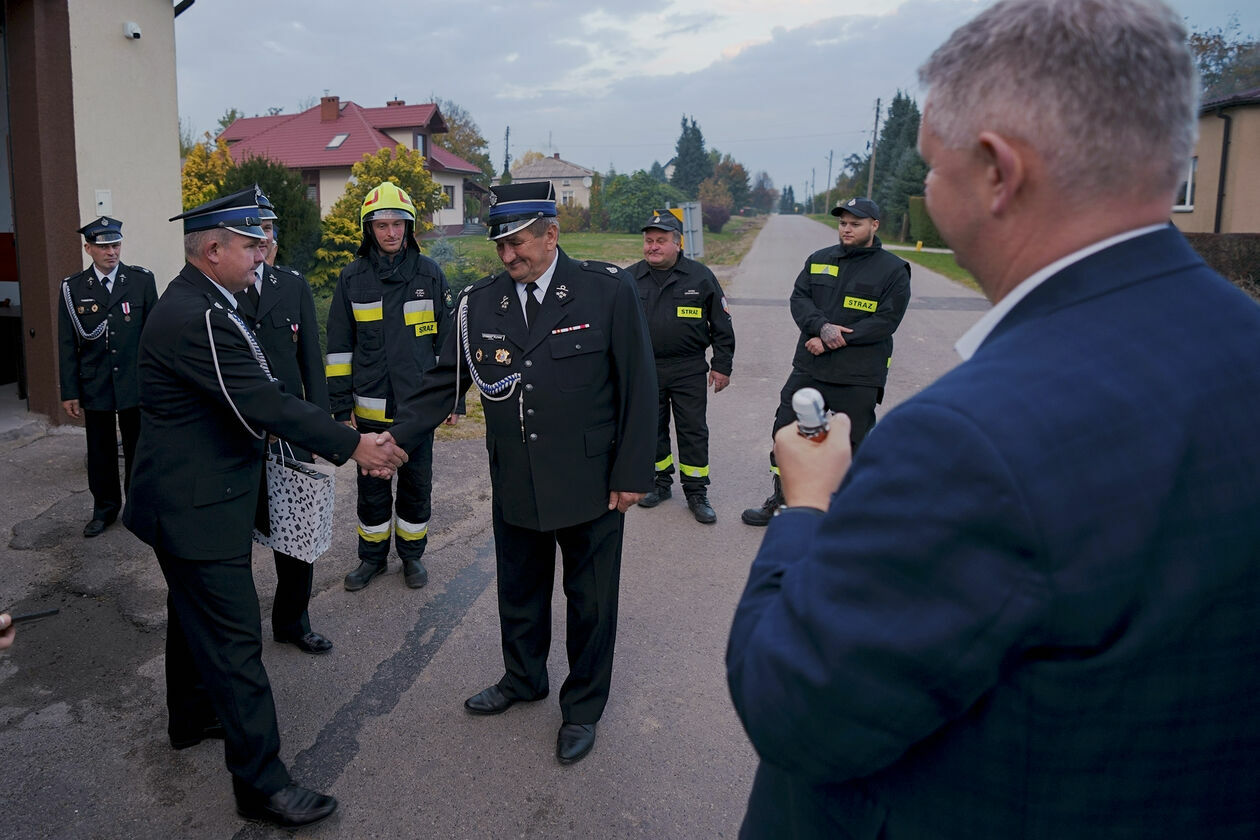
1031,606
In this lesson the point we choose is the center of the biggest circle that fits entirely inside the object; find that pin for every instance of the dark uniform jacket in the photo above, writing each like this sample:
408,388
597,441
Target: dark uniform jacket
196,479
383,333
101,373
686,315
287,329
866,289
582,419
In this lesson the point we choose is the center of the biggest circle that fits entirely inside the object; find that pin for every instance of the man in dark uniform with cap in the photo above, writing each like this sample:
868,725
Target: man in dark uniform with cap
560,352
848,301
208,401
103,309
280,309
686,313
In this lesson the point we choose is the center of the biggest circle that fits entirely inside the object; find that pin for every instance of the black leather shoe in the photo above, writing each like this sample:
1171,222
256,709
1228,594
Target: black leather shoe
660,494
308,643
95,528
700,509
493,701
363,575
574,741
191,739
415,575
289,807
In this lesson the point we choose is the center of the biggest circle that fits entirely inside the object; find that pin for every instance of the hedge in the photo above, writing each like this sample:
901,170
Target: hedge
921,227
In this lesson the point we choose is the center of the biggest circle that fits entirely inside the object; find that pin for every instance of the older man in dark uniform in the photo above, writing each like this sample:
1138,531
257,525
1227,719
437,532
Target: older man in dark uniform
560,352
280,309
208,401
102,312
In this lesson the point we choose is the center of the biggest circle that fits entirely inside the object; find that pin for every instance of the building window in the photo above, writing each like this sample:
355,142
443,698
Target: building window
448,198
1185,193
566,183
420,142
310,180
566,198
337,141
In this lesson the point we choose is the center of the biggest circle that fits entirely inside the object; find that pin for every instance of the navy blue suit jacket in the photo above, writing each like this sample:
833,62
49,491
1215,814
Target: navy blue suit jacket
1033,608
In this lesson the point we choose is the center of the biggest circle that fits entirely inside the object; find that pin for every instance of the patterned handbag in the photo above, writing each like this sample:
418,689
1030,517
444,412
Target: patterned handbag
300,506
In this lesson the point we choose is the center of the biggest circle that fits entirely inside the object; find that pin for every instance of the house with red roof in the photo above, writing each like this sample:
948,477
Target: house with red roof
323,142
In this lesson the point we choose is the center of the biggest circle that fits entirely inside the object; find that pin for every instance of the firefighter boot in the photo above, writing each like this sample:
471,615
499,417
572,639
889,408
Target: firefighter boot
363,575
659,494
698,504
761,516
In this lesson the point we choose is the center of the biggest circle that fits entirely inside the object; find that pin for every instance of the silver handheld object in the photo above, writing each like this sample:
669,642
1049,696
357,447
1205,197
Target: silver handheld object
811,414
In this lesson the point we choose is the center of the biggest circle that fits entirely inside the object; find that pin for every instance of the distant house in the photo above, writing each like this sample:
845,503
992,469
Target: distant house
1221,193
323,142
572,182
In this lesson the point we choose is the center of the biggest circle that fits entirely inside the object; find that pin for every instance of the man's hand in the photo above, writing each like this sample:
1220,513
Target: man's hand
351,423
7,632
378,455
815,346
718,380
811,471
72,408
453,420
832,335
622,501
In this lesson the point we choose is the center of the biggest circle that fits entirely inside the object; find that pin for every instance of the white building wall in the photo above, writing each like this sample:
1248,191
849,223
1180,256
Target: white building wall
126,127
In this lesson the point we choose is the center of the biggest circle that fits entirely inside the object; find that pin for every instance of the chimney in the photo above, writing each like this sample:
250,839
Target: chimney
556,155
329,108
395,103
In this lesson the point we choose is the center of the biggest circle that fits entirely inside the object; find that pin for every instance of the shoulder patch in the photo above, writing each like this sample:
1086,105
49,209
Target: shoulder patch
139,268
599,266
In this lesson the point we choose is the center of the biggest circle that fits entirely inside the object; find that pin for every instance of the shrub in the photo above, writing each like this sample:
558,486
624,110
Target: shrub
574,219
1232,255
921,227
715,217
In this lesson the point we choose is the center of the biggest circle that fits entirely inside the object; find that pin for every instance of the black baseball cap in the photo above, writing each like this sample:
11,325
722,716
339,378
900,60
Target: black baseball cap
663,220
863,208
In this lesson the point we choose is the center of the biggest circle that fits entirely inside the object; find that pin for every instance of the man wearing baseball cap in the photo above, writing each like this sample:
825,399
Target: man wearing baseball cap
848,300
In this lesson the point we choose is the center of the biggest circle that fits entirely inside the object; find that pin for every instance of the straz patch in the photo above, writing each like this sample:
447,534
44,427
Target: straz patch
690,312
428,328
861,304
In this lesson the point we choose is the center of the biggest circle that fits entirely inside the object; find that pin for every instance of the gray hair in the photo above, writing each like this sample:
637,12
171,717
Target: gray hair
539,226
1106,91
195,242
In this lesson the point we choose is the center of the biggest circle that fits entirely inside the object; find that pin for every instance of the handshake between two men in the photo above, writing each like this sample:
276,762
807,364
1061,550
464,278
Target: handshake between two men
378,455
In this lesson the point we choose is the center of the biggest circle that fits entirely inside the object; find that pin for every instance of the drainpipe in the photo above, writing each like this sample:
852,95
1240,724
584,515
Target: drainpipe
1220,187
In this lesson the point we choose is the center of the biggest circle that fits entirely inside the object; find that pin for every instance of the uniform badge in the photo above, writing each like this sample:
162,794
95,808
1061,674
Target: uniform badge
449,301
504,304
479,355
502,356
419,293
724,309
80,310
611,269
562,292
95,307
294,327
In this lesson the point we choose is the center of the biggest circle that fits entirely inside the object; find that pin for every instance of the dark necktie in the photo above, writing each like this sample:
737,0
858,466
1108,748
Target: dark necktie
252,294
109,286
532,304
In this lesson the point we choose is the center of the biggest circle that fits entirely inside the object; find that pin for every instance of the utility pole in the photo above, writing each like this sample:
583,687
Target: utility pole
507,154
813,191
870,176
829,183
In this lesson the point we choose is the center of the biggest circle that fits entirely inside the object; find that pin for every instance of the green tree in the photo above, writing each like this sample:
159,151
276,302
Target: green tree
599,216
763,195
691,164
715,203
464,138
205,167
186,138
1228,60
342,234
630,199
897,162
299,228
657,172
230,116
734,177
787,201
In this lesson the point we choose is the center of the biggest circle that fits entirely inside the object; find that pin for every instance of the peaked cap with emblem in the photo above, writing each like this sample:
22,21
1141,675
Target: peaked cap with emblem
863,208
102,231
514,206
237,212
663,220
265,209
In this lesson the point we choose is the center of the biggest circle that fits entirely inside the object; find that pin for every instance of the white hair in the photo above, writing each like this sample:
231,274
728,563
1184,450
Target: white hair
1106,91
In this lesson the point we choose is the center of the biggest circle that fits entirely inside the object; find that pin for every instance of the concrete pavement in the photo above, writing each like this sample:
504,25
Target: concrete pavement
378,722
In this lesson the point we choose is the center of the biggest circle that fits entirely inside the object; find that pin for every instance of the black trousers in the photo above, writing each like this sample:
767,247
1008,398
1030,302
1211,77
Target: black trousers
591,561
377,506
294,578
102,456
687,395
857,401
214,666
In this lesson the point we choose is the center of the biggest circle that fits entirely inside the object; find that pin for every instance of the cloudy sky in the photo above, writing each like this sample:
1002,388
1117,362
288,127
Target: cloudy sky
778,84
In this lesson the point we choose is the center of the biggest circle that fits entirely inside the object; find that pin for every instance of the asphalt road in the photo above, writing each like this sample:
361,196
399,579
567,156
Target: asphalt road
378,722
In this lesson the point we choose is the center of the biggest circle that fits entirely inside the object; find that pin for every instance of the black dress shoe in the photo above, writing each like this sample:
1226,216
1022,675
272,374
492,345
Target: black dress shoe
308,643
289,807
95,528
183,741
660,494
363,575
574,741
415,575
493,701
700,508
